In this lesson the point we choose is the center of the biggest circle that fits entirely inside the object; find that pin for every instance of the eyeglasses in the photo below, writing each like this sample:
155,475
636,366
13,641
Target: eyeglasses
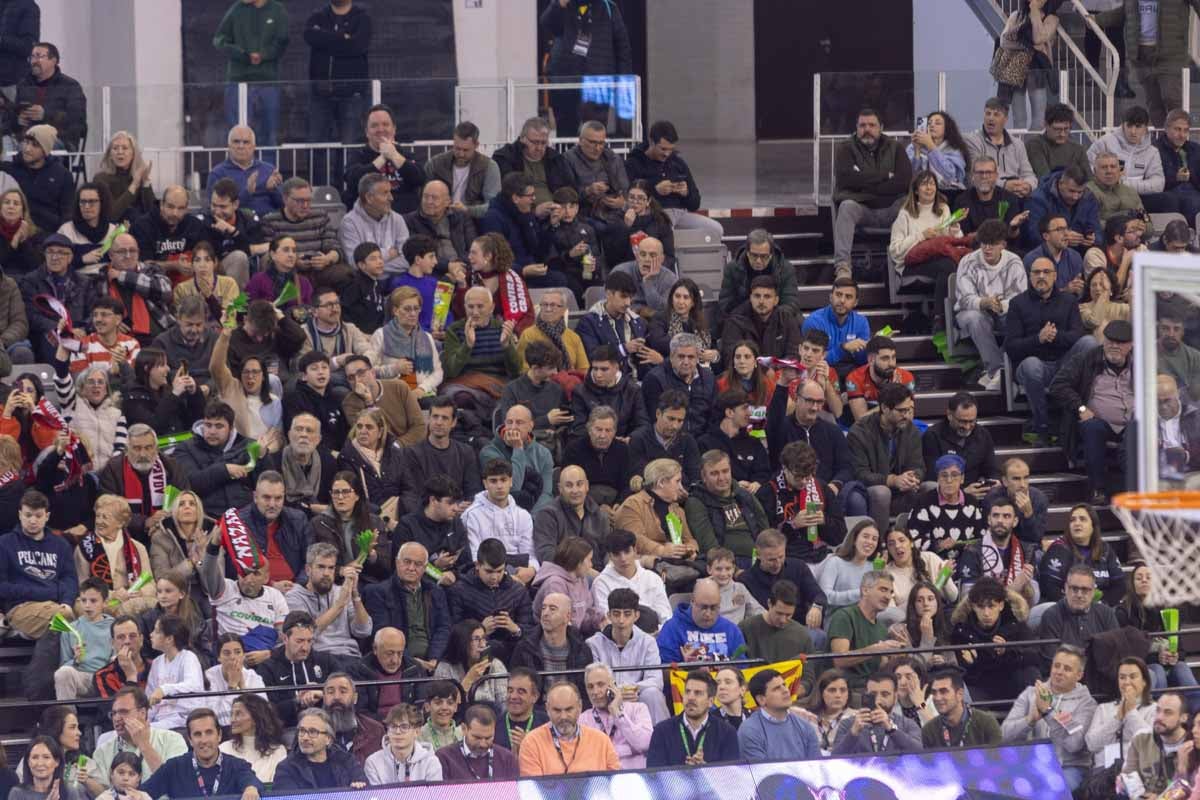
1057,229
949,476
121,713
88,202
1081,589
251,372
402,728
759,256
330,304
310,733
341,492
478,640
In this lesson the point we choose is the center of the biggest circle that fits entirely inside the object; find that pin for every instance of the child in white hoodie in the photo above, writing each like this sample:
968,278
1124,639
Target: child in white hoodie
988,279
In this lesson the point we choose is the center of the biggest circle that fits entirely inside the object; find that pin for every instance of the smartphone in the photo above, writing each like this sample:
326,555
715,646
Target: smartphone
870,702
485,654
922,124
183,366
611,695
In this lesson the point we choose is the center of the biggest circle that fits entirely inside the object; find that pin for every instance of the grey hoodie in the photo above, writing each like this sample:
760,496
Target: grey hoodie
977,278
423,765
1068,740
338,637
1143,164
641,649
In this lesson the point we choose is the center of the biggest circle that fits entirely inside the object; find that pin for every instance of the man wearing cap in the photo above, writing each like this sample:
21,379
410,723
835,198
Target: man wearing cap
54,280
44,180
1095,392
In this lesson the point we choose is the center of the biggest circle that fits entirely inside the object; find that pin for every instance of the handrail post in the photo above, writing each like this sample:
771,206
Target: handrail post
510,95
243,103
1187,90
816,139
376,91
942,90
106,113
637,107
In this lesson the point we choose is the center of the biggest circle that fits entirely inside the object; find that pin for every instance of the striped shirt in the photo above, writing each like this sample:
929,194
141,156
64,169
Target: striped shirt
92,352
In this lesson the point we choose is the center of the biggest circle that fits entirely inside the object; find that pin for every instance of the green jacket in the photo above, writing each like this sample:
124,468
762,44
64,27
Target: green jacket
1046,156
1173,19
246,29
1118,200
735,282
457,357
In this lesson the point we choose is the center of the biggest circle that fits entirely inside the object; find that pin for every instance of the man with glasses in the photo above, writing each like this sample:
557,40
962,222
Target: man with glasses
1077,617
315,235
805,424
106,347
600,177
960,434
307,465
257,181
55,278
697,631
551,328
532,156
1042,331
130,715
139,475
885,454
144,288
760,256
316,763
1068,263
512,215
372,219
48,96
983,197
1053,148
988,279
392,396
413,602
478,756
327,333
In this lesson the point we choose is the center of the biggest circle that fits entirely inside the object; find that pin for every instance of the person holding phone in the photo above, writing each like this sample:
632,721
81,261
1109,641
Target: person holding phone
626,722
877,726
469,661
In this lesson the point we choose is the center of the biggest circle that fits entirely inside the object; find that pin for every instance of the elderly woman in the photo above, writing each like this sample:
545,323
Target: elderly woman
177,544
93,413
111,555
406,351
647,514
946,518
126,175
372,452
551,327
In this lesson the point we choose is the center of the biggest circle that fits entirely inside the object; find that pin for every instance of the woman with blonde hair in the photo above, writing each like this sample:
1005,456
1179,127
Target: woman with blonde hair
109,553
372,453
177,543
126,175
406,351
646,513
20,239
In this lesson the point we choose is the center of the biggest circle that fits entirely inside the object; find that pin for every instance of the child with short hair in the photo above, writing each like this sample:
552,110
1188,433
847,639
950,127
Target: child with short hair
575,249
441,704
421,252
79,662
736,601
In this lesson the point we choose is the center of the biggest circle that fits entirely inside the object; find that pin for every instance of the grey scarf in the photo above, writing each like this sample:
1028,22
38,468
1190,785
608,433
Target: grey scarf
298,483
415,347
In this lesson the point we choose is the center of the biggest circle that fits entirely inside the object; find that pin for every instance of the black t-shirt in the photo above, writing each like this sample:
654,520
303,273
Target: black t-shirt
322,774
210,776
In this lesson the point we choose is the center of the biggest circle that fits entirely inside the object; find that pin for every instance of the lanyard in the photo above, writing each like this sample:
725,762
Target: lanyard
558,746
966,723
876,745
466,751
508,726
200,778
683,734
600,723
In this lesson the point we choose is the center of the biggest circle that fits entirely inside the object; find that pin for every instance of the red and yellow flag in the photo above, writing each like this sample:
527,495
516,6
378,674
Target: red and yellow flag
790,670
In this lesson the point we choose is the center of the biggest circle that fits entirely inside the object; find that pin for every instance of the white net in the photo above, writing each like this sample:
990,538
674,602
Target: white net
1168,541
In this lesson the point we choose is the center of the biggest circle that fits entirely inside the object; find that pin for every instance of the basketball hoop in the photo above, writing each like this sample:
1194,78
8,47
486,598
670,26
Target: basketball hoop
1165,526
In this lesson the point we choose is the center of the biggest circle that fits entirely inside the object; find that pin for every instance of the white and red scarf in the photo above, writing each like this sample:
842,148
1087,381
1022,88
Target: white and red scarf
44,413
99,565
239,543
994,567
133,487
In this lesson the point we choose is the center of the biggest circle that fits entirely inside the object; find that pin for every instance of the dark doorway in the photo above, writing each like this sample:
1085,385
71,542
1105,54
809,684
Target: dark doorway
792,41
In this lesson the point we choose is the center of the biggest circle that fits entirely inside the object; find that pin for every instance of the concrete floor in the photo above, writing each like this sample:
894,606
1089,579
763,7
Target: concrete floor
753,174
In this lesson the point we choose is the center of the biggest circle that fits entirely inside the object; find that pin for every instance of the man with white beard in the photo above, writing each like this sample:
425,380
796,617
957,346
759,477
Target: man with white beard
140,475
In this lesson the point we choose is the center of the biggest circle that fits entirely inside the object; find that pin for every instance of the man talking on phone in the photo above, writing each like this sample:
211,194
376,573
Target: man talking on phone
626,722
960,435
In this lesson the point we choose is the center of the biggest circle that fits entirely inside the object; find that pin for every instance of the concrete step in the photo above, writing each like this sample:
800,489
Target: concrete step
915,348
935,375
1061,487
1039,459
932,404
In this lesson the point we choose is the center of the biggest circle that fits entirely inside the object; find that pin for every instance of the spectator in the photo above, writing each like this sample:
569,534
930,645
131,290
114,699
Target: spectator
911,686
1053,149
108,552
342,341
806,425
450,229
1141,164
643,215
480,352
338,611
212,461
373,220
697,631
982,200
1063,193
1078,616
646,514
573,514
960,434
1176,359
257,181
478,745
1153,755
521,712
953,725
1178,434
760,256
347,514
773,732
863,384
684,313
237,235
626,722
600,178
653,281
758,384
626,570
189,343
623,643
495,511
1098,383
885,450
737,604
313,395
604,459
611,322
774,635
924,215
474,176
914,570
1082,543
684,374
499,603
858,628
389,662
871,178
590,749
567,573
1029,501
80,659
571,251
142,287
774,330
373,452
1068,263
1043,331
988,279
314,746
78,294
532,156
231,673
1168,667
257,411
315,234
156,746
607,385
1178,154
140,475
694,727
338,37
247,607
659,164
550,329
899,733
732,436
379,155
1060,710
939,148
392,398
45,181
297,663
848,330
1029,32
531,462
945,518
20,240
420,252
607,54
1115,197
127,666
165,240
126,175
1122,237
23,21
149,400
541,395
829,707
772,567
401,747
1012,162
176,671
842,573
555,644
1118,721
355,731
404,349
721,513
89,226
1000,554
48,96
254,36
440,454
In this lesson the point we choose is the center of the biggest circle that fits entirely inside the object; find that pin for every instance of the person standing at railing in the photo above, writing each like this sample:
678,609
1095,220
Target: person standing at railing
380,155
47,96
338,37
474,178
254,34
1157,44
589,39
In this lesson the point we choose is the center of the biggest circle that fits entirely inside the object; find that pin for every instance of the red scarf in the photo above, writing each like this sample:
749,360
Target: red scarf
45,414
515,302
98,565
133,486
1015,564
139,313
239,543
9,231
789,502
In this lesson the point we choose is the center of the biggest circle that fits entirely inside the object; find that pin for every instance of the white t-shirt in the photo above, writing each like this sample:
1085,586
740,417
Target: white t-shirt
459,190
255,619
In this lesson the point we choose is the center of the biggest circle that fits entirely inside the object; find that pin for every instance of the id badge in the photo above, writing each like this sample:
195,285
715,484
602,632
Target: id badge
583,43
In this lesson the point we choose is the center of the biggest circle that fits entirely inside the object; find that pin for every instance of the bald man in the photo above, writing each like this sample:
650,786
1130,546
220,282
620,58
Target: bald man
453,230
480,354
388,660
143,288
1178,435
698,632
554,645
532,463
257,181
582,749
573,513
166,239
653,276
389,604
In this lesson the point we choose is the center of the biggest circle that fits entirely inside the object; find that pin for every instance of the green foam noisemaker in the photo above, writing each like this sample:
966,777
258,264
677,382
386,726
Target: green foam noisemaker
170,495
1170,621
59,624
878,563
675,528
1002,209
943,575
107,242
886,330
955,218
173,439
363,541
433,572
254,450
290,293
143,580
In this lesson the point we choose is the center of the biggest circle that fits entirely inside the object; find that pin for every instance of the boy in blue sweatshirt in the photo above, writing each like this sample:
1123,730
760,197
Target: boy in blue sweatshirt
37,570
80,661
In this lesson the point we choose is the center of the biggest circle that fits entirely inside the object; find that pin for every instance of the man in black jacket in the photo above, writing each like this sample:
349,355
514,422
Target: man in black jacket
389,602
961,435
774,329
47,96
606,385
235,232
666,439
500,603
440,454
437,526
380,155
296,663
772,566
722,513
452,230
806,425
315,745
339,36
550,172
1095,391
56,279
45,181
658,162
604,459
165,239
747,456
1043,330
555,633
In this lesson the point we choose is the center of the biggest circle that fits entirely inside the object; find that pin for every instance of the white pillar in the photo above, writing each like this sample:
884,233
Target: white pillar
495,40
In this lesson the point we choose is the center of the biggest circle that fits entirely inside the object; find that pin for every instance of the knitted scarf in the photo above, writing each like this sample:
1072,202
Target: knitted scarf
300,484
133,487
8,231
45,414
415,346
555,333
992,559
98,563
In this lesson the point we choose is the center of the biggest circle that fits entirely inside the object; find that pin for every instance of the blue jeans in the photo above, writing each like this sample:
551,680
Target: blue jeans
262,114
1180,675
1034,375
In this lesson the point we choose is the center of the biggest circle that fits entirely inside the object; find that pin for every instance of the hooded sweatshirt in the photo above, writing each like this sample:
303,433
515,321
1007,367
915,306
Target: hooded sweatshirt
1142,162
640,650
36,571
721,641
552,578
649,587
422,765
512,525
1068,739
339,636
977,279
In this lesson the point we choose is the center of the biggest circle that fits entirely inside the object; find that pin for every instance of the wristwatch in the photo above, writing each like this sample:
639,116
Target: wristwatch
1082,409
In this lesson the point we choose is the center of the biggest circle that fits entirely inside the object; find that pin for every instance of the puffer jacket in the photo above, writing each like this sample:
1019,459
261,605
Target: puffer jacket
1143,169
610,52
102,427
735,281
1083,217
382,485
511,158
205,467
989,667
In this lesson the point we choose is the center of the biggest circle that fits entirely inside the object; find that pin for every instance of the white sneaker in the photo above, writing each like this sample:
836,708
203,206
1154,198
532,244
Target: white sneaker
990,381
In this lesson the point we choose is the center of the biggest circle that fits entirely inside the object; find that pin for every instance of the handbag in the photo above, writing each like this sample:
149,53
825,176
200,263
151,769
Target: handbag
1011,67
